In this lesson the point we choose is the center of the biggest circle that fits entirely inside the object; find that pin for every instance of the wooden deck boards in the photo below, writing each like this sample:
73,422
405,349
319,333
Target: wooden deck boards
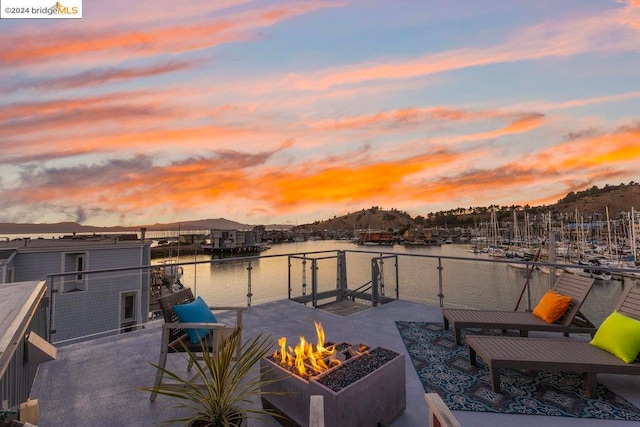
546,354
344,307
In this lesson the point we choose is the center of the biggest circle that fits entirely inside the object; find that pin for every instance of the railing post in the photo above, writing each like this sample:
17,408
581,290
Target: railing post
289,276
381,275
397,278
314,282
52,293
374,281
552,258
440,289
304,274
342,273
249,294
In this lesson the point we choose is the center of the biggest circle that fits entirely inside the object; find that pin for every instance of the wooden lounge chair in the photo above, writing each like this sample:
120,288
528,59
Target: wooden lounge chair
555,354
174,337
577,287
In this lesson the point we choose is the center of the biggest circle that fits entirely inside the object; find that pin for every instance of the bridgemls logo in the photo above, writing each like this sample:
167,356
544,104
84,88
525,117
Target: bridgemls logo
57,9
65,10
40,9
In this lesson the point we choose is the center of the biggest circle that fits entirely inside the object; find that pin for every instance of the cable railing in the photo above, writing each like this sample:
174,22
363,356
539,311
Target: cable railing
86,305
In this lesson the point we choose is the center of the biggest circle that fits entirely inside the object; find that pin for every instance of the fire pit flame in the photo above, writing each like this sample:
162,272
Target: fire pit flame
305,355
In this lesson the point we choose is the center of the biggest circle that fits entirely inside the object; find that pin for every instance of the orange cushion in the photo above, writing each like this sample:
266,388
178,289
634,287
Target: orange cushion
551,306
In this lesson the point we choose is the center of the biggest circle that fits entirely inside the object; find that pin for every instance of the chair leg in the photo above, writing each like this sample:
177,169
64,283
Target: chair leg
591,385
164,350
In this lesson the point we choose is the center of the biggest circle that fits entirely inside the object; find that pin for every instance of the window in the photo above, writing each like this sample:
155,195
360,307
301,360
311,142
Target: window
79,266
74,263
128,312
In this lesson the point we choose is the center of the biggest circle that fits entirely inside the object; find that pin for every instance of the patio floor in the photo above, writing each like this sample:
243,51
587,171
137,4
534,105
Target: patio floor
96,383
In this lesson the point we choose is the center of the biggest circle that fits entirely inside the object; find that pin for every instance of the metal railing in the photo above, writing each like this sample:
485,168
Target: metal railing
18,366
433,283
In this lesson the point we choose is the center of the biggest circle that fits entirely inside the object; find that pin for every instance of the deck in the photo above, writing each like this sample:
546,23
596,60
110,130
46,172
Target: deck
97,383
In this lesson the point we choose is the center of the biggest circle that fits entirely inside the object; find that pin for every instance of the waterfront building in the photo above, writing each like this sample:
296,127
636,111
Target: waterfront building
85,304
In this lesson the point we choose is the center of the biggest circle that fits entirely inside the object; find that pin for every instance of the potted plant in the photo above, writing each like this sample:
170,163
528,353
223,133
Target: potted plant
221,383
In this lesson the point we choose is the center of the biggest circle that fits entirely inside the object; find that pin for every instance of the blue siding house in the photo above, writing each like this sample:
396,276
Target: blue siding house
96,283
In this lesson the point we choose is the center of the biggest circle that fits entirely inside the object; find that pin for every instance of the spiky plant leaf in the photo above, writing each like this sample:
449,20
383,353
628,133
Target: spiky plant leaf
222,382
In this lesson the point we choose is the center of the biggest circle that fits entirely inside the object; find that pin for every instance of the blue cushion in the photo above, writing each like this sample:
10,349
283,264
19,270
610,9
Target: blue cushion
195,312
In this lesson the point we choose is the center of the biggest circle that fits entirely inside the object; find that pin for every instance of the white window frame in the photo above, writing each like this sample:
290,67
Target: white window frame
128,322
77,282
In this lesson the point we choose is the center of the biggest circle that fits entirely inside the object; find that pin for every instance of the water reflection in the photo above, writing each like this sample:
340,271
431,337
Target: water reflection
468,284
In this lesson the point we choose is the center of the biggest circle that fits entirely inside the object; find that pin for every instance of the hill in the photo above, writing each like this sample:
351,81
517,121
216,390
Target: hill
373,218
620,198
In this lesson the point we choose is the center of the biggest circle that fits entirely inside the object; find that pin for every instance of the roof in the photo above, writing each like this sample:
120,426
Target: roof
86,242
6,253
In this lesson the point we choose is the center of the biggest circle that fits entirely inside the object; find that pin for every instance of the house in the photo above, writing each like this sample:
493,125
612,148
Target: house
377,237
96,281
235,241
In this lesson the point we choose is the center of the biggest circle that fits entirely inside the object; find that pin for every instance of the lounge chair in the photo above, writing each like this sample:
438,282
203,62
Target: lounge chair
175,339
555,354
572,321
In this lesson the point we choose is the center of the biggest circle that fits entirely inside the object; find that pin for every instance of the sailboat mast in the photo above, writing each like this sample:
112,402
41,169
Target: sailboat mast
608,232
632,231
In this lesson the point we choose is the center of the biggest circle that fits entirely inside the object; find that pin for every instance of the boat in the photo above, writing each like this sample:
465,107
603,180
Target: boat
592,271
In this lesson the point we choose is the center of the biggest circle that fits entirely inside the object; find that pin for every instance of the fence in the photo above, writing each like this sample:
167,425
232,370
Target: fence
119,300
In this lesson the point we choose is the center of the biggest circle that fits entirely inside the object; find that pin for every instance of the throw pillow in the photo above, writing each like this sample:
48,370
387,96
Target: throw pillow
551,306
196,311
620,336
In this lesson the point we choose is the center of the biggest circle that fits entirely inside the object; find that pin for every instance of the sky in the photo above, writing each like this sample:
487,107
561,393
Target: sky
290,112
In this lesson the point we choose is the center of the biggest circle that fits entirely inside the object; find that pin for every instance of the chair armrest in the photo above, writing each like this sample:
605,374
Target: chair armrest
179,325
221,308
238,309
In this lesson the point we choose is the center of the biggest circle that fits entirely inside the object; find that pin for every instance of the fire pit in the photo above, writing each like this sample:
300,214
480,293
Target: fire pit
360,385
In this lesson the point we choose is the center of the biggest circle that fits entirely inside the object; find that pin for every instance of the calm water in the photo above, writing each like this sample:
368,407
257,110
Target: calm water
465,283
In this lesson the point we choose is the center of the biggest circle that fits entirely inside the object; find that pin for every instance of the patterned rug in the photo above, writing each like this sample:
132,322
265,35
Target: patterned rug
443,368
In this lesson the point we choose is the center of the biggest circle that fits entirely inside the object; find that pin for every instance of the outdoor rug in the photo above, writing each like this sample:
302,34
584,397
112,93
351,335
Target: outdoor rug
444,368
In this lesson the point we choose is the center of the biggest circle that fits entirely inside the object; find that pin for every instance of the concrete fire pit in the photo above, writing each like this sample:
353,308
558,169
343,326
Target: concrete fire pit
365,389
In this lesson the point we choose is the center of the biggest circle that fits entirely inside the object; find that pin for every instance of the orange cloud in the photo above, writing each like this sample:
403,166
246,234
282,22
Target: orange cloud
135,182
31,48
346,182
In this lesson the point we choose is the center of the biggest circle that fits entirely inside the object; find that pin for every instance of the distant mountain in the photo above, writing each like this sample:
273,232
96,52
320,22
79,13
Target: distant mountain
201,224
58,227
74,227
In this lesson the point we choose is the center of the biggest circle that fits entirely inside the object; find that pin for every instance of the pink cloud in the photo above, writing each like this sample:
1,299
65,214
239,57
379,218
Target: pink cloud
551,39
147,41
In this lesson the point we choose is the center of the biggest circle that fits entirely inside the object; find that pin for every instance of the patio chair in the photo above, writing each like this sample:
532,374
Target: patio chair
175,338
572,321
552,354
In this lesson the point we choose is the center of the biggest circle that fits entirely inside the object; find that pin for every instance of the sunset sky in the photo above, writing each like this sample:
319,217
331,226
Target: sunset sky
268,112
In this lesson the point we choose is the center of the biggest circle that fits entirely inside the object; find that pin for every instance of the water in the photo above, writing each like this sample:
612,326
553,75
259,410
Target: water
465,283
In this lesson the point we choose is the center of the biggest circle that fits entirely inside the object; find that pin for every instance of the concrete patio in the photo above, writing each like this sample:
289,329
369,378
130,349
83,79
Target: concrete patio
96,383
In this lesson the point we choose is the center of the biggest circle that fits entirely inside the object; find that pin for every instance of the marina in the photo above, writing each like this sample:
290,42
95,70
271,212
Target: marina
480,284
